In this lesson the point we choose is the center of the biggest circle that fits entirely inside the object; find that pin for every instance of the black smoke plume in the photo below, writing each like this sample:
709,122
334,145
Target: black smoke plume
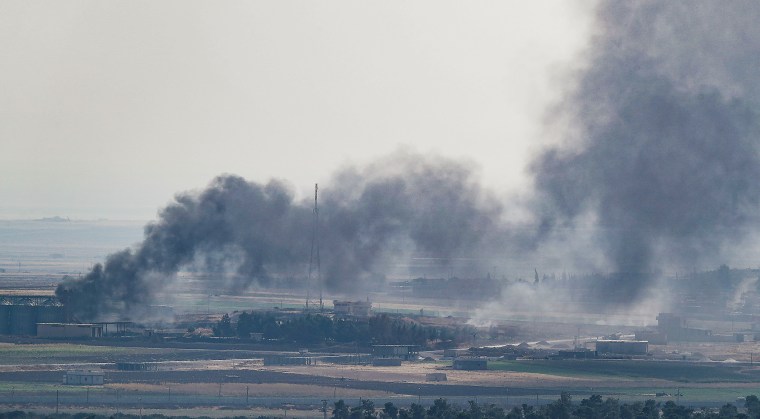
664,151
659,161
408,202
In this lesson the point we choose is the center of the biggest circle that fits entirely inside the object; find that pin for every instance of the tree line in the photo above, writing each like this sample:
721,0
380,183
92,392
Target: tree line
594,407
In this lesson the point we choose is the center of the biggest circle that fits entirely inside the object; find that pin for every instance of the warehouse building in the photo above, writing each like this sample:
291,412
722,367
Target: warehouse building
19,314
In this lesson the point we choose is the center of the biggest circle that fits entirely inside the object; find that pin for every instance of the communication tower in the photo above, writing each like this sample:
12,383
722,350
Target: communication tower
314,262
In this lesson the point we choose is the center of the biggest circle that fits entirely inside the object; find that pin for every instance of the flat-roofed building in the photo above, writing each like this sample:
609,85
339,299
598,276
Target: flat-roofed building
84,378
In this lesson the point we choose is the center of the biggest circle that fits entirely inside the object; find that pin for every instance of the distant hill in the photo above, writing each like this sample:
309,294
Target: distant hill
55,219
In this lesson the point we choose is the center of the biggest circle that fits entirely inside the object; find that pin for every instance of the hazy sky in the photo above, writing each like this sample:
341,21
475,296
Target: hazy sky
109,108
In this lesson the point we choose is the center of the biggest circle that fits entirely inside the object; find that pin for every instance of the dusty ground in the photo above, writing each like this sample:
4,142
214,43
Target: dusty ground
253,389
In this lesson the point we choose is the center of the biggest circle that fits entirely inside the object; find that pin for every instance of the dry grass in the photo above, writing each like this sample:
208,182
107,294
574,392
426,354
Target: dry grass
415,373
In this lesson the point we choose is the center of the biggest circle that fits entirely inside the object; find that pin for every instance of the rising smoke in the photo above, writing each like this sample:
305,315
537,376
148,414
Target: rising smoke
663,154
407,202
657,168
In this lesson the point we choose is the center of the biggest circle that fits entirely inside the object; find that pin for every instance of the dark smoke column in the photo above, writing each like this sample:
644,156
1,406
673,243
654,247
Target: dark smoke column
247,233
232,222
666,153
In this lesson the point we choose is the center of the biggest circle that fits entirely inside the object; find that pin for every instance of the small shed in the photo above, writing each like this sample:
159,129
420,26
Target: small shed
83,378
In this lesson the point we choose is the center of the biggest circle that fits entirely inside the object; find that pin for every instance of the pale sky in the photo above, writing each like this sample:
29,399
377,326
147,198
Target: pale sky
108,108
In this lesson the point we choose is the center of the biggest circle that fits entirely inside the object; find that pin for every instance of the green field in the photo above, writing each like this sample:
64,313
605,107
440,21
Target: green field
12,354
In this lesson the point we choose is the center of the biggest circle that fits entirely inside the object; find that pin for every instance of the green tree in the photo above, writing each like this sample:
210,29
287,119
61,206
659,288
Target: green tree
475,412
515,413
340,410
561,408
417,411
441,409
670,410
390,410
752,404
224,327
728,411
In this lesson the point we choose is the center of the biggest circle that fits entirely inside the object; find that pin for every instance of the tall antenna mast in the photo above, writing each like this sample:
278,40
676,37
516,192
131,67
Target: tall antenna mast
314,262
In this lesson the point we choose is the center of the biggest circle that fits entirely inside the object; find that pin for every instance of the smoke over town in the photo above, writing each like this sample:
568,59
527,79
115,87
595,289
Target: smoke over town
659,155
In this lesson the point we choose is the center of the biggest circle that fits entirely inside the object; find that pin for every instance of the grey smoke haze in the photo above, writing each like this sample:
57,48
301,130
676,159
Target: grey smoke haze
405,202
660,154
664,150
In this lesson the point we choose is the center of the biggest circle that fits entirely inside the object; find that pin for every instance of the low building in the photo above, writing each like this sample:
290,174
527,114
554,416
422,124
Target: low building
136,366
404,352
84,378
289,360
69,330
470,363
435,376
622,347
674,327
347,309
